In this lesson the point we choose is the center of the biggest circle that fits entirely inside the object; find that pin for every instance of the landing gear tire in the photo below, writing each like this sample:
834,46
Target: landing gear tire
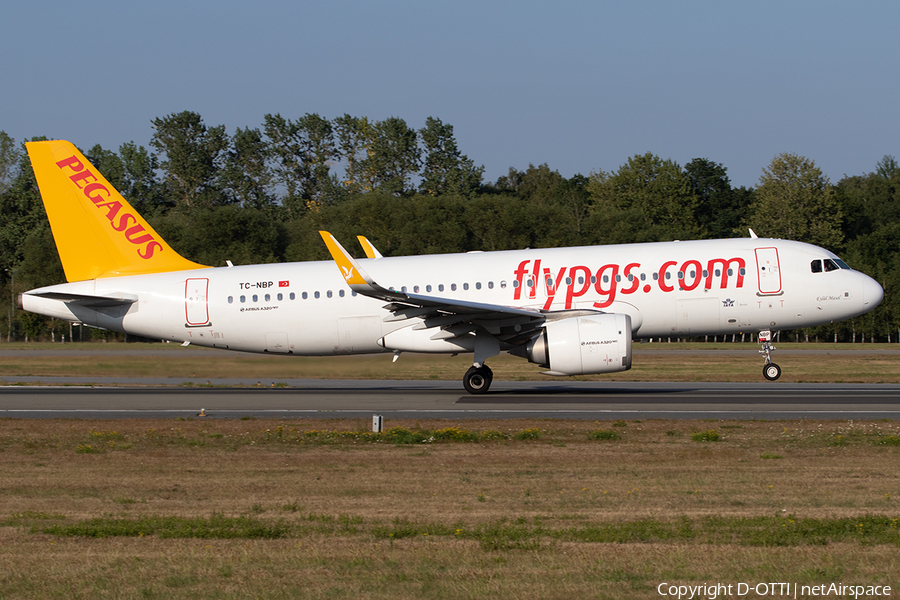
771,371
477,380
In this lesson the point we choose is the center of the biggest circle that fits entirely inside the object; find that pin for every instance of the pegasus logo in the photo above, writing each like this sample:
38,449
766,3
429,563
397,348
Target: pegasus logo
100,195
348,272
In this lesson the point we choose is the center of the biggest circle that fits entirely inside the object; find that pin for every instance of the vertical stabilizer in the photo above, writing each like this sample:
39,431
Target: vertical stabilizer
98,234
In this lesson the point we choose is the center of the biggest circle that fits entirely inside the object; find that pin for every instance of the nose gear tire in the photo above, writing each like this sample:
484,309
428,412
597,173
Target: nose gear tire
771,371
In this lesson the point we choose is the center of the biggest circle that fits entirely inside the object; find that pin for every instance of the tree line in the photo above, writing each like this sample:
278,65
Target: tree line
261,194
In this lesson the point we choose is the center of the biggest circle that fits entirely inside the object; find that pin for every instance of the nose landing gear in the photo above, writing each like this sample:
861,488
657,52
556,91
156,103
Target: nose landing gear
771,371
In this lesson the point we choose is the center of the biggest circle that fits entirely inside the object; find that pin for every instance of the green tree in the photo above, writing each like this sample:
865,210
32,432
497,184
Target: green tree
392,157
655,191
536,184
354,137
214,235
109,164
10,156
870,201
303,151
193,157
795,201
140,185
445,169
246,174
720,208
22,213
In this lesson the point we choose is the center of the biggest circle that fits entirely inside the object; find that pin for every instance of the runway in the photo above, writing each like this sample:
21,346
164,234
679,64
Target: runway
330,399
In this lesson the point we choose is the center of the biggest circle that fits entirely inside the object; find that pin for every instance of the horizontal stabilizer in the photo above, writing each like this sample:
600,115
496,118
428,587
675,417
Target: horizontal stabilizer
88,300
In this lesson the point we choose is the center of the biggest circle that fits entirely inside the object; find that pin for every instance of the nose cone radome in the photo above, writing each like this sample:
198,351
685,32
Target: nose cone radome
873,294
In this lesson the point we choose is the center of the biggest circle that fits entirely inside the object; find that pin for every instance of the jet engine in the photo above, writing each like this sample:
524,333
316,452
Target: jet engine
581,345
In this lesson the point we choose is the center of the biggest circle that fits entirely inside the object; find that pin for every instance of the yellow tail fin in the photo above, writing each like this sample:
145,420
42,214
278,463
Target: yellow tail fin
98,234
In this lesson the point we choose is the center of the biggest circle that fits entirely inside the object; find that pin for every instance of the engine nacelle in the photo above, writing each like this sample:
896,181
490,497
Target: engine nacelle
582,345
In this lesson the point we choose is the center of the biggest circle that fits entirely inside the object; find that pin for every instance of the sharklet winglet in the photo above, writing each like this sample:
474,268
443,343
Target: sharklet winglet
358,280
368,247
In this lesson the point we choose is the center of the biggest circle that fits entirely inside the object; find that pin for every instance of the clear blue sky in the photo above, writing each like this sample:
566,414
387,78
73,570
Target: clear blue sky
581,86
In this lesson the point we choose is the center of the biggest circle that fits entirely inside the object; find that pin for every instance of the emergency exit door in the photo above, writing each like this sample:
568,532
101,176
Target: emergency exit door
196,303
768,270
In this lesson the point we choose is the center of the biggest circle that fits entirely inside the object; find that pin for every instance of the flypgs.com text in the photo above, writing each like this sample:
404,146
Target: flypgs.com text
611,280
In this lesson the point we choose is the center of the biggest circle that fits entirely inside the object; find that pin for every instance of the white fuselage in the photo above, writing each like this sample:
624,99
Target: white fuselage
668,289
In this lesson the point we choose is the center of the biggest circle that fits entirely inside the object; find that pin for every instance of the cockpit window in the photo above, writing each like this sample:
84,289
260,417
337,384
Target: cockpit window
829,264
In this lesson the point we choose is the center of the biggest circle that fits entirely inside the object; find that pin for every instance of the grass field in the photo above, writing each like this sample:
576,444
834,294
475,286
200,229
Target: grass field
864,363
519,509
437,509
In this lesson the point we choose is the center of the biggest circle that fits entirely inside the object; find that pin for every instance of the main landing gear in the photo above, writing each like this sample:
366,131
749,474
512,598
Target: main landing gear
477,380
771,371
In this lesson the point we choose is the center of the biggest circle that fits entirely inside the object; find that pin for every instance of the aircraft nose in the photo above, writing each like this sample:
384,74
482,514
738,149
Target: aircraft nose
872,292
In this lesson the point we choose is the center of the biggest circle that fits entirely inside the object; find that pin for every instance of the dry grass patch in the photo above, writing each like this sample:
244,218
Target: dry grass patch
652,362
323,509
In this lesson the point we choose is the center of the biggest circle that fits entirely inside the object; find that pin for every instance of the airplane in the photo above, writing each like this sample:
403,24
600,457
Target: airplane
571,310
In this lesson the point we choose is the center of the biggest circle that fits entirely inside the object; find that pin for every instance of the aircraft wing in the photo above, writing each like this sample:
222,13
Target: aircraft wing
509,324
